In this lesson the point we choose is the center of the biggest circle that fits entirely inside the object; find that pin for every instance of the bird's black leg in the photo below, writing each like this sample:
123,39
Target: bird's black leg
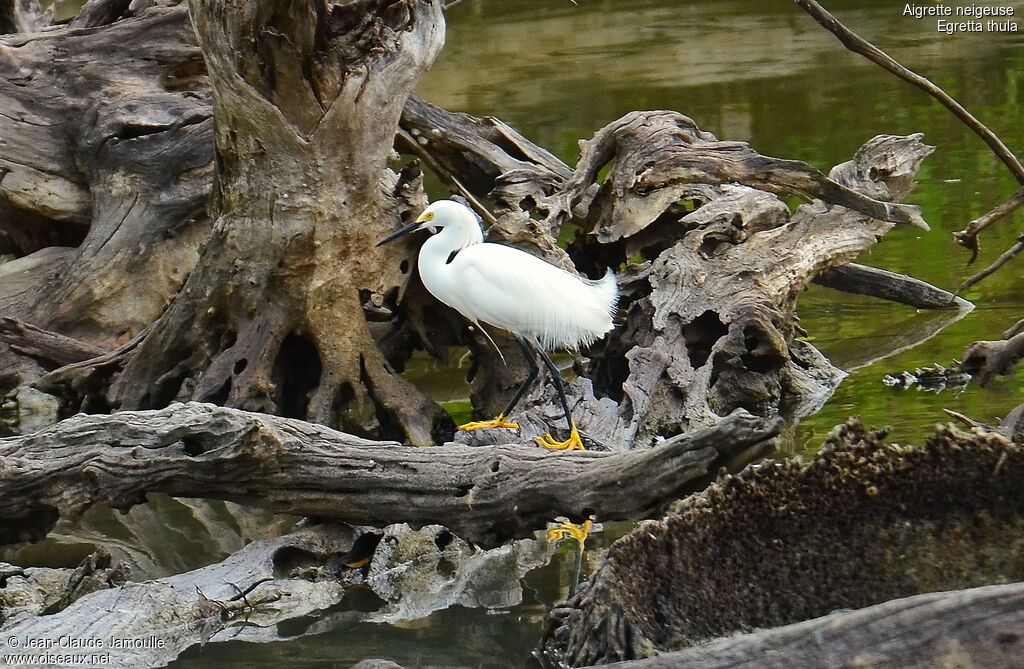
556,378
531,360
573,443
501,420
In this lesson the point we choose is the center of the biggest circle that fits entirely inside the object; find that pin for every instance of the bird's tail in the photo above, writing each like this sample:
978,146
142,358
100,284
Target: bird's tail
608,291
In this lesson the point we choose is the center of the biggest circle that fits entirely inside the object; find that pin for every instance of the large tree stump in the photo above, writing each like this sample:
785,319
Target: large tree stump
307,100
105,163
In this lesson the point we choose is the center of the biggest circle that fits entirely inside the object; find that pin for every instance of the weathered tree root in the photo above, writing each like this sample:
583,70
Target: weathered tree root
864,523
486,495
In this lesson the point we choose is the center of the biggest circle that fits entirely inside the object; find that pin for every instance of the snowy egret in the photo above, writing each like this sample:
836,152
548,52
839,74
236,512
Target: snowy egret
542,305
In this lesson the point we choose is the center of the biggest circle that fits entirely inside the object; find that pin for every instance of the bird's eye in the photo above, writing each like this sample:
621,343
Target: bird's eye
429,216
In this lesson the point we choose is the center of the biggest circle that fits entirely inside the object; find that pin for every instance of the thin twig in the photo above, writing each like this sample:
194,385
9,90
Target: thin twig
447,177
859,45
966,420
1002,260
968,237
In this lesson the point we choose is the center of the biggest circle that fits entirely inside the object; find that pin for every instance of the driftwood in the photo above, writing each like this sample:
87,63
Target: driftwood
179,611
248,595
975,628
50,348
211,346
987,359
863,280
864,523
133,168
485,495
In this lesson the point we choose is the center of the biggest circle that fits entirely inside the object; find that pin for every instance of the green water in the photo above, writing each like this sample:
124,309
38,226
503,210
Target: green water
760,72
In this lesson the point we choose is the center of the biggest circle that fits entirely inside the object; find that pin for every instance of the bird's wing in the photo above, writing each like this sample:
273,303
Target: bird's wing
519,292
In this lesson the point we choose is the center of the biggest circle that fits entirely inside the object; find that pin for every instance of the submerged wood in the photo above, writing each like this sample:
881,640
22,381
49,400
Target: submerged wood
302,574
863,523
278,576
986,360
485,495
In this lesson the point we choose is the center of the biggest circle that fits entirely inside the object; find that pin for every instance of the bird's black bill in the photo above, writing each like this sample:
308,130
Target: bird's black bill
412,227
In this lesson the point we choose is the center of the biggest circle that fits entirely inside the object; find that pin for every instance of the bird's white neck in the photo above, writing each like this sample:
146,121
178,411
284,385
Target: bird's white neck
434,254
451,238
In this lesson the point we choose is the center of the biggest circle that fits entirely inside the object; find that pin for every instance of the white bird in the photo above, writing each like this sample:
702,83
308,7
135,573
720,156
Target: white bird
541,304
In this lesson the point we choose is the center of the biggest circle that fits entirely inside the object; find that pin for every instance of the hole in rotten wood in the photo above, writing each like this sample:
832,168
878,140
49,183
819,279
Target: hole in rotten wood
463,490
761,357
495,466
442,539
296,373
404,267
240,365
446,567
192,447
700,335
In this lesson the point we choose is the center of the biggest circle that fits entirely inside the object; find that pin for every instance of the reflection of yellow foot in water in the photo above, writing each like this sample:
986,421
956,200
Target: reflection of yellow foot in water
573,443
567,530
487,424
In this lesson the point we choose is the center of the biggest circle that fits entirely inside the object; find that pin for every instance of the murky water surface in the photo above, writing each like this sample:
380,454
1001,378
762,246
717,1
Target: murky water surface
760,72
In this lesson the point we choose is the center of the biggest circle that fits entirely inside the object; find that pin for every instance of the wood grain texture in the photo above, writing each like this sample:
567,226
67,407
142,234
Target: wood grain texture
484,494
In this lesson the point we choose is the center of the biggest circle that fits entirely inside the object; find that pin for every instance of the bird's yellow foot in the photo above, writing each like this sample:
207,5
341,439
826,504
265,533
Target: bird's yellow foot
573,443
567,530
486,424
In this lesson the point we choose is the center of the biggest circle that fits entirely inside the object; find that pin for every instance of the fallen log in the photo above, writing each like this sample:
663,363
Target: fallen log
975,628
486,495
175,612
394,576
863,280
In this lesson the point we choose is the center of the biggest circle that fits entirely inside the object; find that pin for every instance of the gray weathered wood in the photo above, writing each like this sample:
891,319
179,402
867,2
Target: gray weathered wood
486,494
166,616
976,628
864,280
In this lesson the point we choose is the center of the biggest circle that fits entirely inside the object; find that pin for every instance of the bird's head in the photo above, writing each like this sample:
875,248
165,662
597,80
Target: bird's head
444,214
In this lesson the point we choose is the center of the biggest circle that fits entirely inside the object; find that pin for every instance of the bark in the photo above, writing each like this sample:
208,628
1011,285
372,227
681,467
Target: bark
864,523
979,627
109,155
484,495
